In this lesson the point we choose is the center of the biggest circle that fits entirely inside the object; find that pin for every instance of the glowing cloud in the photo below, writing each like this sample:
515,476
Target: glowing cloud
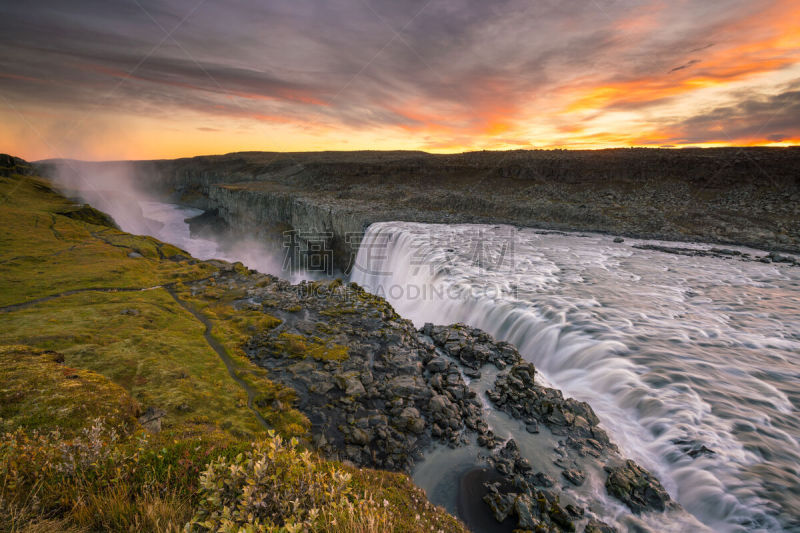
99,80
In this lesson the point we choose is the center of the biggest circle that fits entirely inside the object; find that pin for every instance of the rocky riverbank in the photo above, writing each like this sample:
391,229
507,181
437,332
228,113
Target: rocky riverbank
380,393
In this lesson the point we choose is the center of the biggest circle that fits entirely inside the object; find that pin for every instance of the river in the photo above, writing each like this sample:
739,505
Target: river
692,363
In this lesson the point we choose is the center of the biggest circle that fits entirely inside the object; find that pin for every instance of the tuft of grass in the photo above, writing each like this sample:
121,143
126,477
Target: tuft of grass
39,392
300,347
276,486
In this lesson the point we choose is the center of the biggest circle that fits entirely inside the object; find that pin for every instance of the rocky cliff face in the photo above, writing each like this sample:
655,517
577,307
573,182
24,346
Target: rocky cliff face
267,213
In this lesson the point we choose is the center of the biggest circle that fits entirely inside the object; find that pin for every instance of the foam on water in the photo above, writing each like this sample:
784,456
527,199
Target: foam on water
672,352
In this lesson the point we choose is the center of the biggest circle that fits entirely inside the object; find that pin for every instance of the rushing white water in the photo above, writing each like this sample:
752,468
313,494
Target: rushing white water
672,352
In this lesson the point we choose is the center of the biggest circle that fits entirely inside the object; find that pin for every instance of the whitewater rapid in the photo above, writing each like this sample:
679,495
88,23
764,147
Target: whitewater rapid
690,362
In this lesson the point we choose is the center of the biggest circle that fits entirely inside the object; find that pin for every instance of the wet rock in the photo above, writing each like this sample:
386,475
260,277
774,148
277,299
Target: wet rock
574,476
574,511
596,526
471,373
517,393
437,365
411,420
541,479
500,505
619,239
358,436
779,258
637,488
409,387
350,384
693,449
535,511
524,509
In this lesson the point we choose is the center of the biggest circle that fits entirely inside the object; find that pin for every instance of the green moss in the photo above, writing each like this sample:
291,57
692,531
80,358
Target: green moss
43,252
141,340
232,328
88,214
300,347
339,311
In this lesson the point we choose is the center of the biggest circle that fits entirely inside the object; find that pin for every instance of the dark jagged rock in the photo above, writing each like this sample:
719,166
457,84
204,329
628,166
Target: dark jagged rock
516,392
771,257
538,510
637,488
208,224
10,165
472,347
693,449
574,476
595,526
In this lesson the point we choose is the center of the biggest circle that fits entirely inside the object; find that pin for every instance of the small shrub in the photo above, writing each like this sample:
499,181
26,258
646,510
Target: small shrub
274,486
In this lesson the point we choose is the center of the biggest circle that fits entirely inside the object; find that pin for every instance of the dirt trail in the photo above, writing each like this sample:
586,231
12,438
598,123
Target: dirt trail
222,352
23,305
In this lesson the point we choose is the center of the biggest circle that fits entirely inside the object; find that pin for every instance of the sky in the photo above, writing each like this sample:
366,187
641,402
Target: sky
143,79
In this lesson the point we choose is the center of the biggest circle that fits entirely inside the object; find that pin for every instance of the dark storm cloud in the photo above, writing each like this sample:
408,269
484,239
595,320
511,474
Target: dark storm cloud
686,65
773,117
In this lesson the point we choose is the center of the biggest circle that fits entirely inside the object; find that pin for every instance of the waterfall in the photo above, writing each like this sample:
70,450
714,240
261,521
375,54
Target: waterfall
687,369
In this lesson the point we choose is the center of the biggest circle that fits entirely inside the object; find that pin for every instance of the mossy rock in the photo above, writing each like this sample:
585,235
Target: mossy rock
90,215
300,347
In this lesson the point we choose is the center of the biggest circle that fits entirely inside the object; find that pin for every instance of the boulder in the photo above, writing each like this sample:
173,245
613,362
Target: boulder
637,488
411,387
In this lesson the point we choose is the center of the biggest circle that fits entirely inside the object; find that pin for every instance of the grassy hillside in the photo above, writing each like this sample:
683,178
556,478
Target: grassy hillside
98,329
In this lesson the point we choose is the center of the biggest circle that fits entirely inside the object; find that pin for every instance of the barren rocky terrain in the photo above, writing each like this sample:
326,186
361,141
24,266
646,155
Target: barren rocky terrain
748,196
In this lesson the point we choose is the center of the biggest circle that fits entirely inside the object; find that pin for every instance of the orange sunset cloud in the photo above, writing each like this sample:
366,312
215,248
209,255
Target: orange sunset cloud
439,76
